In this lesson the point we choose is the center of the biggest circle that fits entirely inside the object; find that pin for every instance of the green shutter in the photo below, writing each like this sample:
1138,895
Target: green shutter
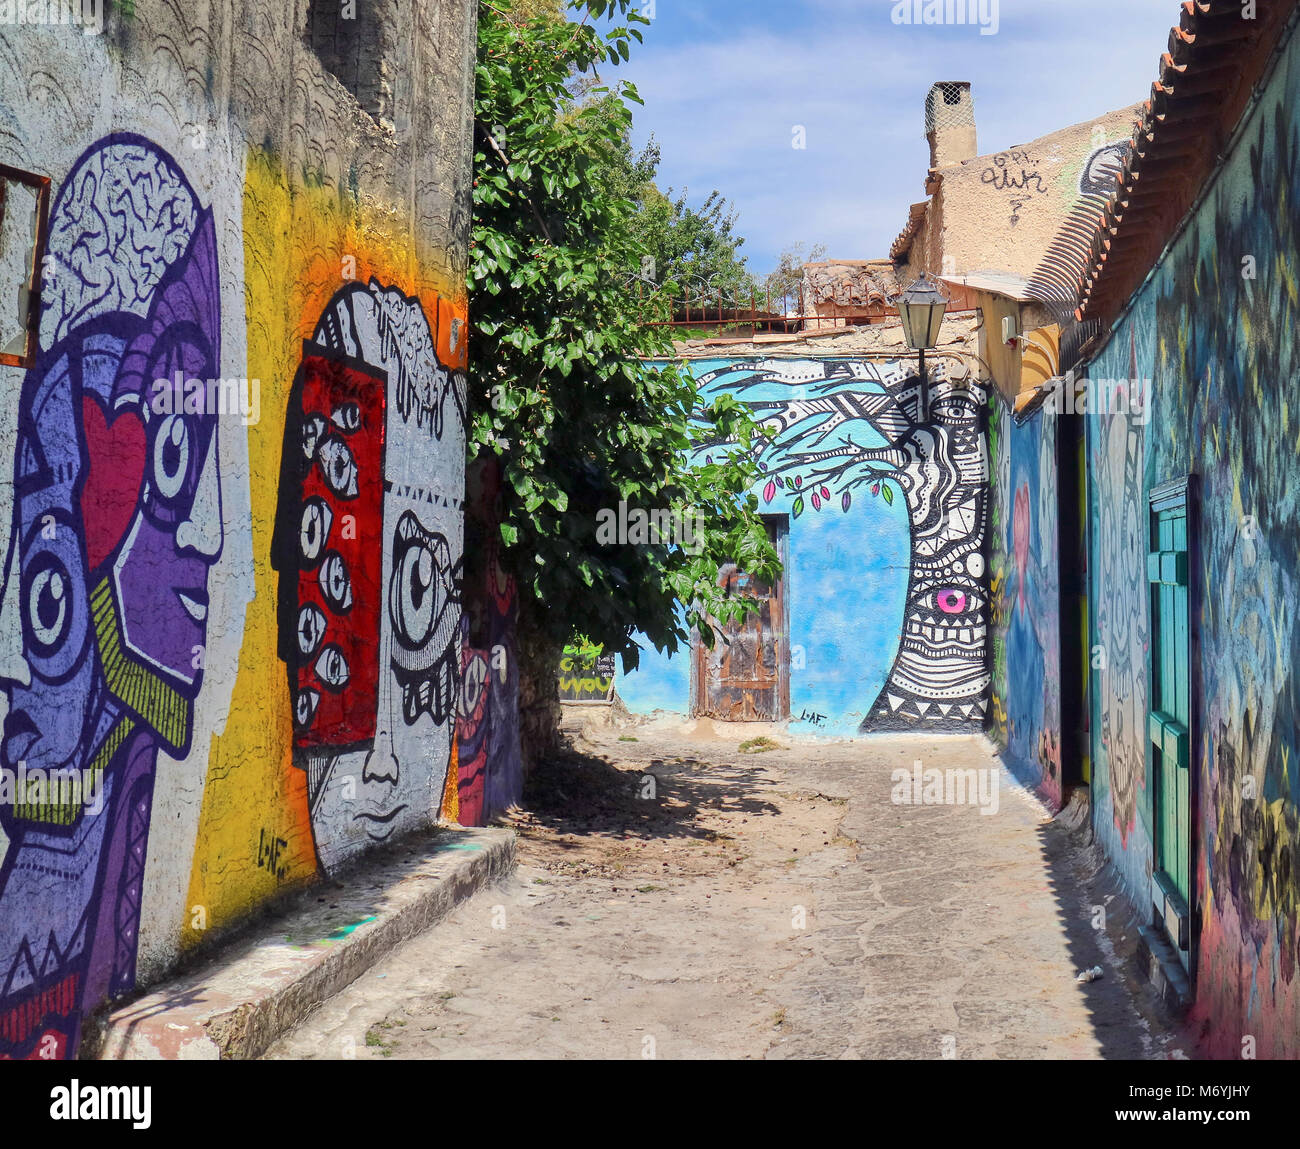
1169,717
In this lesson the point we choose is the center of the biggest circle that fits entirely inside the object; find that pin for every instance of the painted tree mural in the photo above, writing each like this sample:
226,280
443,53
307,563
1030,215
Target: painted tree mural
851,429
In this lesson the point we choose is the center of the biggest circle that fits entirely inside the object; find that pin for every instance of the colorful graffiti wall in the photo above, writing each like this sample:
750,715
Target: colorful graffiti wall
490,766
232,524
886,581
1215,332
1025,703
586,675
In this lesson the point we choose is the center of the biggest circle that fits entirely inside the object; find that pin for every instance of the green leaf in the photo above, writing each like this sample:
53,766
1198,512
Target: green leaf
595,409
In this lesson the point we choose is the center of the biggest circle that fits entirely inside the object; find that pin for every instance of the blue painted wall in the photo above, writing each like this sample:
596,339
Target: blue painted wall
1026,710
849,570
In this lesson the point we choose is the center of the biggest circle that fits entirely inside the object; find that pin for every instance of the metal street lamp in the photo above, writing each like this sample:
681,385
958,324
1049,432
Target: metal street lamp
921,308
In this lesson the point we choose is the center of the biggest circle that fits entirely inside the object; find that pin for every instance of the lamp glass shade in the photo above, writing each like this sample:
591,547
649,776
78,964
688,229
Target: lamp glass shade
921,308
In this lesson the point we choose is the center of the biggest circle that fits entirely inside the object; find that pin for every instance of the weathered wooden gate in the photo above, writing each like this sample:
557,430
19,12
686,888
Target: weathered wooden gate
746,678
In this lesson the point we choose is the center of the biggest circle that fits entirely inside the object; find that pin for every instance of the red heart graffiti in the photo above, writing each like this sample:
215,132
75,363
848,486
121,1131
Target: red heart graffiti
113,479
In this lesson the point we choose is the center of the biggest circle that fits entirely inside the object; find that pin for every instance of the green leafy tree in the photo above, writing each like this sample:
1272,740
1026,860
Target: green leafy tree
559,387
692,252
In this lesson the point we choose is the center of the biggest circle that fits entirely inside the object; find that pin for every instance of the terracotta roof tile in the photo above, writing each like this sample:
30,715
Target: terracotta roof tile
1215,57
903,244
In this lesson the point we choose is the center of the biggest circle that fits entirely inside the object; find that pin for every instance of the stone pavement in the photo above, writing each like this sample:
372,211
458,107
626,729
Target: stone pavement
272,972
773,904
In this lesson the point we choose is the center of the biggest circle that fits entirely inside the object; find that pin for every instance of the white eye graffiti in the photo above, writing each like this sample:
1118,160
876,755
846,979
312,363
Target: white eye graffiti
304,709
472,685
171,456
332,668
313,430
311,628
335,583
424,605
47,607
417,593
338,467
317,518
347,418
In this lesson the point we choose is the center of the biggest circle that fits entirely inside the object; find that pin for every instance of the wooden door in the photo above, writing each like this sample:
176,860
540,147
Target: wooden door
746,676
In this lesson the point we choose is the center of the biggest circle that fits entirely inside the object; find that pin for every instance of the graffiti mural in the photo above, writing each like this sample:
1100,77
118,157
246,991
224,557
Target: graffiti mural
999,438
1026,693
490,770
116,524
849,431
331,489
1214,328
370,635
1119,527
1101,168
1056,277
487,726
163,736
586,676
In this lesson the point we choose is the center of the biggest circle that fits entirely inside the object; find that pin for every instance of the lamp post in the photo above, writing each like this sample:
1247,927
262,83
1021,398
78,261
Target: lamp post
921,308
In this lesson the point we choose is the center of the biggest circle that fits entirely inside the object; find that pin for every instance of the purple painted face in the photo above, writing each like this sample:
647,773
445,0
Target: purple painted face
46,662
118,522
161,572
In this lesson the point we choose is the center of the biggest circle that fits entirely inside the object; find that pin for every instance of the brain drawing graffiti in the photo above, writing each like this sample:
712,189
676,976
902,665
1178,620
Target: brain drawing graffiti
116,526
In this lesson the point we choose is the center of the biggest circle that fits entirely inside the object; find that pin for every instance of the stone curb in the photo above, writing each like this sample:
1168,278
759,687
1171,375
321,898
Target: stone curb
255,989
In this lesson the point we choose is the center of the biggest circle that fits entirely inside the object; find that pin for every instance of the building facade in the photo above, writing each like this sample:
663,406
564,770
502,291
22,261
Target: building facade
234,250
1192,532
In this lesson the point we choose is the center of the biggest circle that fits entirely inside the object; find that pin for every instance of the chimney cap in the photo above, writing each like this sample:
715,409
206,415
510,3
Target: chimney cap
949,104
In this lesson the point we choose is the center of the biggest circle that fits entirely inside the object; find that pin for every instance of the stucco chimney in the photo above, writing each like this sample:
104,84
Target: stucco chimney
950,123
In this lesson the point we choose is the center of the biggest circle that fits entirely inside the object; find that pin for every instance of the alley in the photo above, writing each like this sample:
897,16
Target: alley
657,907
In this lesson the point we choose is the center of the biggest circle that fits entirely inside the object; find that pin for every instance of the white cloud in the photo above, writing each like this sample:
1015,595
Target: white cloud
724,90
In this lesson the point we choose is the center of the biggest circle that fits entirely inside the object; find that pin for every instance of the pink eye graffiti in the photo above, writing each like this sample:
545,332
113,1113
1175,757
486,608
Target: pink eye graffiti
951,601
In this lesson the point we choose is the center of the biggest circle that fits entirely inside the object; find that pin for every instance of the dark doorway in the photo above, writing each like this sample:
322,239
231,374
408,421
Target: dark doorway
1073,567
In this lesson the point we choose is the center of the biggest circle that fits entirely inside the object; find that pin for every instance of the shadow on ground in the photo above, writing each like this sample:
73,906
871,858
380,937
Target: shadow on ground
1101,929
642,796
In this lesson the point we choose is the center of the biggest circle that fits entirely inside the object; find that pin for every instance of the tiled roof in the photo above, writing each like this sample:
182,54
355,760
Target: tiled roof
853,283
959,333
1216,57
903,243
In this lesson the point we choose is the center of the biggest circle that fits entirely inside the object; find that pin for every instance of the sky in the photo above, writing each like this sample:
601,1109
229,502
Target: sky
726,83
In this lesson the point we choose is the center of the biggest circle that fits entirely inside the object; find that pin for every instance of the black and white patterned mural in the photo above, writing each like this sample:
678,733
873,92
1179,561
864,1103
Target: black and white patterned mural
846,430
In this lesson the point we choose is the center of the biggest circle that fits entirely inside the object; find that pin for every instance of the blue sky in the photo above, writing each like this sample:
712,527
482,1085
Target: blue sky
726,81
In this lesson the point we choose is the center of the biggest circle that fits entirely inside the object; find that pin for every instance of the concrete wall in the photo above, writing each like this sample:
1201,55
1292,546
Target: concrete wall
1220,347
886,583
243,631
999,212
